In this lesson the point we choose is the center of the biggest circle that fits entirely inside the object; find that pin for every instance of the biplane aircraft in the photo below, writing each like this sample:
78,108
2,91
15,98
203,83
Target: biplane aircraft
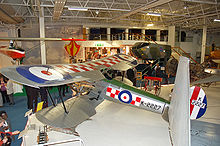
72,112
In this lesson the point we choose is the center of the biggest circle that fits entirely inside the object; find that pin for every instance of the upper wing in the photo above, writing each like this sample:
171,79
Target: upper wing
54,75
213,78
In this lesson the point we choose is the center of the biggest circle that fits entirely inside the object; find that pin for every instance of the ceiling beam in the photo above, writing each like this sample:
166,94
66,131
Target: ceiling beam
4,17
149,5
197,16
202,2
39,7
58,9
98,18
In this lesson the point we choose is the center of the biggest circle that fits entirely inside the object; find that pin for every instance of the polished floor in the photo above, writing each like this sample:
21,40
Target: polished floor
16,113
206,131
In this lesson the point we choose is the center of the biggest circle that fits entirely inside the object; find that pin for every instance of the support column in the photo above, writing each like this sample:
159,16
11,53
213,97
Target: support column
12,32
126,34
143,34
83,53
158,35
85,33
204,34
171,36
180,35
109,34
42,35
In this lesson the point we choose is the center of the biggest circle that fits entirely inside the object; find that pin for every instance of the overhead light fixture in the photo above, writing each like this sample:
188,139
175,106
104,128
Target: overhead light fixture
97,12
217,20
153,14
77,9
150,24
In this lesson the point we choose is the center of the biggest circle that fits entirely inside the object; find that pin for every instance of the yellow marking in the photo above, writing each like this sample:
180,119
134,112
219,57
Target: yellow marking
40,106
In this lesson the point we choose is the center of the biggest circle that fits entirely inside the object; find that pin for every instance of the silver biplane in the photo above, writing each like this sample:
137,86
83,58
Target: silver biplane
74,111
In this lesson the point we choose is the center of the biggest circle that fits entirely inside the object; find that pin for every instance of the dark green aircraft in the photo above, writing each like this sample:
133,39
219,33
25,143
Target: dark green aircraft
151,51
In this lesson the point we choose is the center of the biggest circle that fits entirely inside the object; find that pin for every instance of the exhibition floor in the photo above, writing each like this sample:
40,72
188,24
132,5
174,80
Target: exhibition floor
206,130
16,113
116,124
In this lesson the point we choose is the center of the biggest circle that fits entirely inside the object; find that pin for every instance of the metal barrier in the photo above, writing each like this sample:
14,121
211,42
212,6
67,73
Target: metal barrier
181,52
152,83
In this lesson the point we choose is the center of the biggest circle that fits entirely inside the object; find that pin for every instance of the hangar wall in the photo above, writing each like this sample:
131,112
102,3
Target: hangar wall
55,49
193,43
57,54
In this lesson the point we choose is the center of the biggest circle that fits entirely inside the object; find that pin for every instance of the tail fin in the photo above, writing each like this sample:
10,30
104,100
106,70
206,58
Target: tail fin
179,109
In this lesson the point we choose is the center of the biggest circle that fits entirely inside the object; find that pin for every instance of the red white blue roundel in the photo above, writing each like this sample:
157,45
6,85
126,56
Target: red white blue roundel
125,96
42,74
198,102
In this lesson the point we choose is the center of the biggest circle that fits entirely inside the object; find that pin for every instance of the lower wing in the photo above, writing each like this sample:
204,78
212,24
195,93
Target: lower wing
79,109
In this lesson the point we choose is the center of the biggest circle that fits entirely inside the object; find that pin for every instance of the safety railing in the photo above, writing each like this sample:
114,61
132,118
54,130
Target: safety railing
121,36
181,52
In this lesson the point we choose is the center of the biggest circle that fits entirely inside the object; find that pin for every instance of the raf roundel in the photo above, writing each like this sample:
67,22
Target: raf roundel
45,73
42,74
125,96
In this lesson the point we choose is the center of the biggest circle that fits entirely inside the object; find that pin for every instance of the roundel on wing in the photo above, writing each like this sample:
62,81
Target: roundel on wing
125,96
41,74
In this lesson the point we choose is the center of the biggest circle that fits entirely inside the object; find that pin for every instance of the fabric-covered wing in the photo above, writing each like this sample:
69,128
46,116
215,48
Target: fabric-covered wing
79,109
54,75
213,78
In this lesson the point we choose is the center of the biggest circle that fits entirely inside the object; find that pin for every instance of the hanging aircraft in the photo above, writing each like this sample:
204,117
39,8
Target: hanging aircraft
151,51
74,111
17,53
13,52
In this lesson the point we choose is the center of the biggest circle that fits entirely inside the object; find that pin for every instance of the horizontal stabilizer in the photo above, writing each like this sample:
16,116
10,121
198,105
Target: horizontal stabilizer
212,71
213,78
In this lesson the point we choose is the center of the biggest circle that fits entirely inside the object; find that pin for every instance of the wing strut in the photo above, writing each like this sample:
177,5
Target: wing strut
63,105
51,97
54,102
